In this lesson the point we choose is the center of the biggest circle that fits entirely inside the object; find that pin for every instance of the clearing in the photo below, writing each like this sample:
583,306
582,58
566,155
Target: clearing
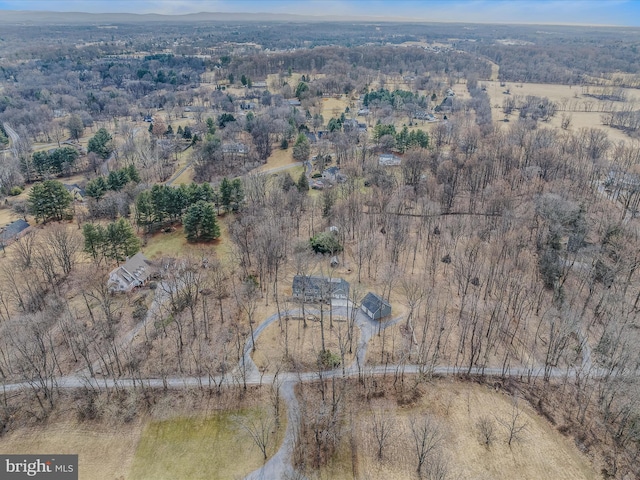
213,447
542,452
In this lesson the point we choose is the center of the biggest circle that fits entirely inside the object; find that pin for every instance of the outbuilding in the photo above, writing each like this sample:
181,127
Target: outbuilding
375,306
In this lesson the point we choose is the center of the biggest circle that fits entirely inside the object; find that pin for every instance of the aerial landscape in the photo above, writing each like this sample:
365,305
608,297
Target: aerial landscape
320,240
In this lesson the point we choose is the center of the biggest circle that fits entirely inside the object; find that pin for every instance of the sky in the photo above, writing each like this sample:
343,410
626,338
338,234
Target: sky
592,12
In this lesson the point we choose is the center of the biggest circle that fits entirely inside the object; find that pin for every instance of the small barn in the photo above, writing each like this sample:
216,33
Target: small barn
375,306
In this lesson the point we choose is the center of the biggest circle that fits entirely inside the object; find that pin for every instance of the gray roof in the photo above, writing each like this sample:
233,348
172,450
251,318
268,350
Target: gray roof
12,230
374,302
134,271
326,285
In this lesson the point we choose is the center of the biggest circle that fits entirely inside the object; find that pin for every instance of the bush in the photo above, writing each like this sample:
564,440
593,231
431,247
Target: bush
15,191
325,242
327,359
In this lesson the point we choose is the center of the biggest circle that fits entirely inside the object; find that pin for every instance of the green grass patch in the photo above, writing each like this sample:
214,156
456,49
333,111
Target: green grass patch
166,244
213,448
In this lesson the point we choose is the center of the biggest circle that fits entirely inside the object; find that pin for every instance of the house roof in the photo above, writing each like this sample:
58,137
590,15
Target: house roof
135,268
374,302
74,187
304,282
13,229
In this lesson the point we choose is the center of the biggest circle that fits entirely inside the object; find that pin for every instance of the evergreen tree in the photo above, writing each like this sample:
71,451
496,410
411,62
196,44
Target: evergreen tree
237,194
93,239
303,183
101,143
302,148
120,240
133,174
96,188
225,193
49,200
200,222
287,182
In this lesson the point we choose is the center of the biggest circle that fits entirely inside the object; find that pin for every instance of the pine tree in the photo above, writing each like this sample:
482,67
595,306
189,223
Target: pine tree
200,222
303,183
49,200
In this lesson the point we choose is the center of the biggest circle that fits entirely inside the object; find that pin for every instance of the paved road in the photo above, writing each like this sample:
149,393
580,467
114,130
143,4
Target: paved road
280,465
13,135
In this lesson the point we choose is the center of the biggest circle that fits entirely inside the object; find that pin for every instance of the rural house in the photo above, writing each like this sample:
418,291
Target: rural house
375,306
133,273
76,191
12,232
315,288
389,160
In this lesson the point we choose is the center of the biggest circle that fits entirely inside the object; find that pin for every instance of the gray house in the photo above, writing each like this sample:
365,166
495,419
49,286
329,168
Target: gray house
316,289
12,231
133,273
375,306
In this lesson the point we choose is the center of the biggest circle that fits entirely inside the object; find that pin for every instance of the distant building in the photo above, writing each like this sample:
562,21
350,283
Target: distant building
333,175
363,112
262,85
76,191
316,289
389,160
294,102
235,148
133,273
375,306
12,232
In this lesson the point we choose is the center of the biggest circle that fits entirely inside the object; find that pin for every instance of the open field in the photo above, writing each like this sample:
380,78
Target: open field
104,453
541,453
174,244
333,107
278,158
585,111
213,447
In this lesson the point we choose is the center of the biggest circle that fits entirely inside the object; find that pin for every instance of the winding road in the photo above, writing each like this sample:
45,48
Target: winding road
280,464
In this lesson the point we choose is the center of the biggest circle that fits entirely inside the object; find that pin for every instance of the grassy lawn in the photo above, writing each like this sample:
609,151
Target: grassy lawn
210,448
174,244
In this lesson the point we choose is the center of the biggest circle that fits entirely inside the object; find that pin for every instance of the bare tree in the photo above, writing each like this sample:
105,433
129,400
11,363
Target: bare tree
513,423
486,430
65,245
427,437
260,430
382,425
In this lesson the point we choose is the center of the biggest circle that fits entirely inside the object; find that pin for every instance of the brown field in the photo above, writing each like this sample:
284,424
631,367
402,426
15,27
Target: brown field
278,158
541,453
104,453
572,100
333,107
304,343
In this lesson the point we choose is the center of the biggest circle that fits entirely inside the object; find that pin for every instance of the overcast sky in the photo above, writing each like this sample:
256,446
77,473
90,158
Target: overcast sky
598,12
